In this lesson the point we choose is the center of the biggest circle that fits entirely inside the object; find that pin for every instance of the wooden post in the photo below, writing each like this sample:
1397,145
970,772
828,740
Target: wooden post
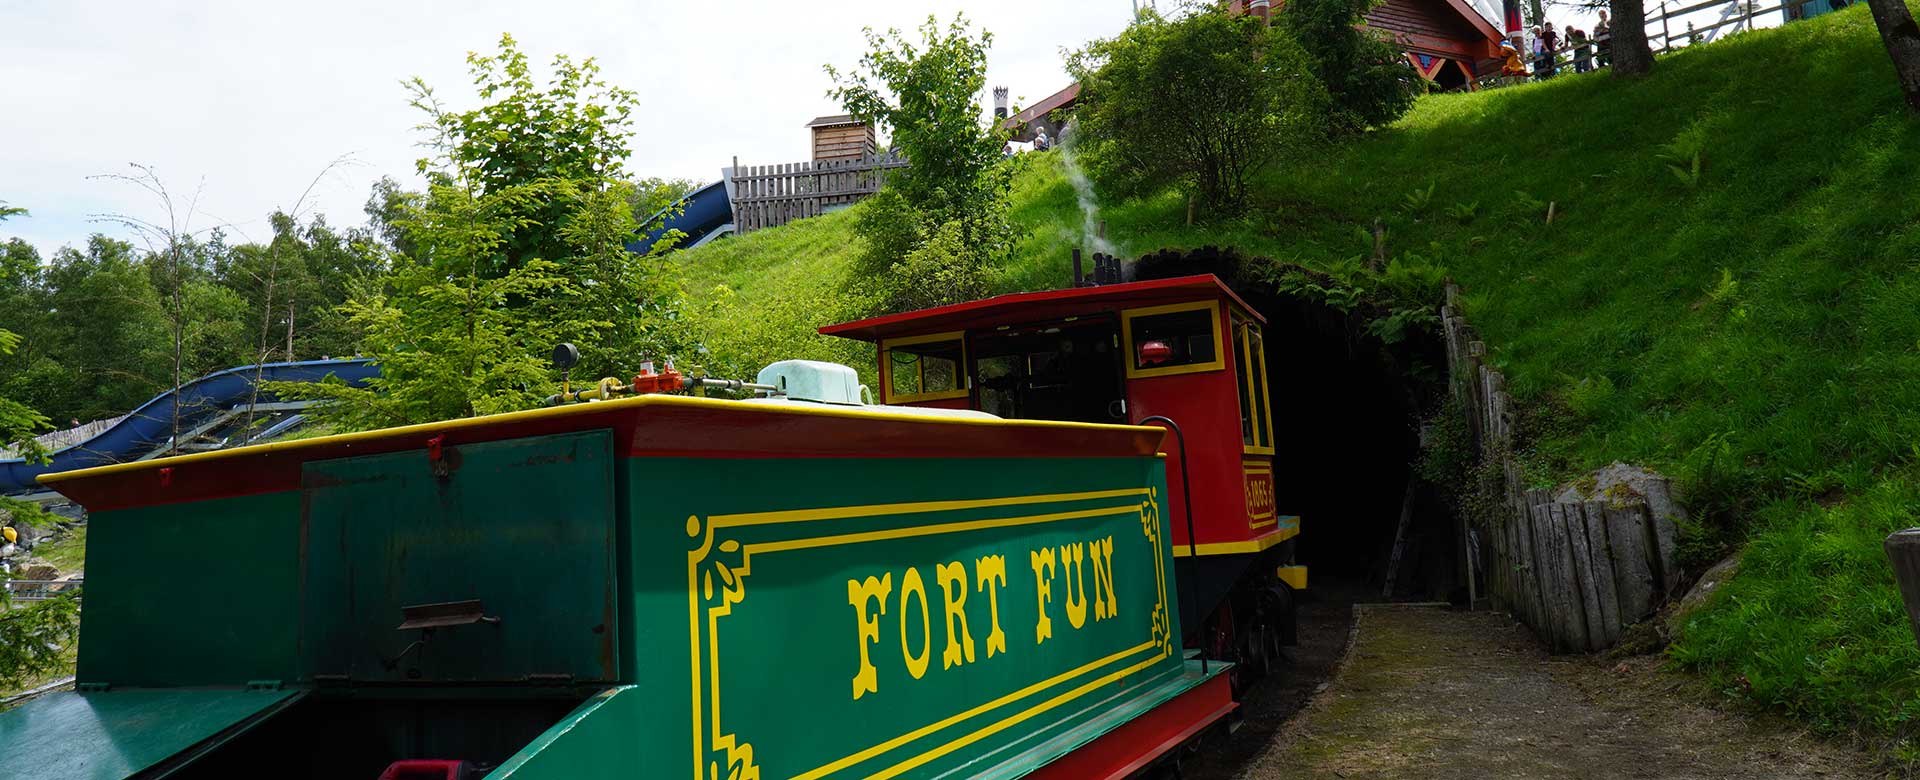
1666,35
1399,540
1903,550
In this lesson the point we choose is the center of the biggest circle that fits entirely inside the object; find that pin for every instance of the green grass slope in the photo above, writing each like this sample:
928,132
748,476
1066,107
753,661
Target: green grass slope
1749,323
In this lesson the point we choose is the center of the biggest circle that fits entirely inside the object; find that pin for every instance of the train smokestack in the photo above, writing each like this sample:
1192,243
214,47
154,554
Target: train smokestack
1000,103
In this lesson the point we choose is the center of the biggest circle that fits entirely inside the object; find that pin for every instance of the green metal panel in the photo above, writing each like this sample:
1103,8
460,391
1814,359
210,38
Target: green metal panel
226,610
524,525
595,740
114,734
760,584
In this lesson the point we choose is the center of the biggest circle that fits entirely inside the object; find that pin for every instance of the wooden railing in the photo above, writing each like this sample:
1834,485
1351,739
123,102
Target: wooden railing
769,195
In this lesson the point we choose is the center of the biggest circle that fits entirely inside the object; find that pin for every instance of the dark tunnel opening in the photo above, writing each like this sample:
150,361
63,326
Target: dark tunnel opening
1348,410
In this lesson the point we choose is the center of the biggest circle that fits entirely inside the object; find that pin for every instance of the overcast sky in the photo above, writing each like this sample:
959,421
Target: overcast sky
246,101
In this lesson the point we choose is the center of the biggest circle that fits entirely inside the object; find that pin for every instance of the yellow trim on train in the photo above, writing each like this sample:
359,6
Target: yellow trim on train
960,372
1285,532
1133,371
821,410
1294,576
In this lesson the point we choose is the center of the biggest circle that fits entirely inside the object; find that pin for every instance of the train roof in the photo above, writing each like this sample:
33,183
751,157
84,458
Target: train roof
1044,305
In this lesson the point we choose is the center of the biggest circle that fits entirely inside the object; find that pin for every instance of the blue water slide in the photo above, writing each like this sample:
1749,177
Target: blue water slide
200,400
700,215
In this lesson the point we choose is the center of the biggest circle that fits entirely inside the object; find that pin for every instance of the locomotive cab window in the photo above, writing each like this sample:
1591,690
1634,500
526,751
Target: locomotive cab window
924,368
1178,339
1250,362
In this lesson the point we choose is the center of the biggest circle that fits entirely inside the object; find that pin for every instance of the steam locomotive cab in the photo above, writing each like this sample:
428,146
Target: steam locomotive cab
1186,350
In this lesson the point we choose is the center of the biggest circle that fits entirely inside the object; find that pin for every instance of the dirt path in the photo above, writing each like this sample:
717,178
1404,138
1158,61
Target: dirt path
1436,694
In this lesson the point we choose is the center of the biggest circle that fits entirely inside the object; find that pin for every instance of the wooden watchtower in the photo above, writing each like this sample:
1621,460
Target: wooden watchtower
841,137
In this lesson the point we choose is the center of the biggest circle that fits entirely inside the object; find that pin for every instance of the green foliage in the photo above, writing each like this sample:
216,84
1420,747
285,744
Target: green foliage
889,228
519,243
19,422
927,95
35,637
1464,213
1813,623
759,297
1365,74
461,344
1202,100
574,129
1418,201
941,227
1817,386
1589,397
945,268
652,195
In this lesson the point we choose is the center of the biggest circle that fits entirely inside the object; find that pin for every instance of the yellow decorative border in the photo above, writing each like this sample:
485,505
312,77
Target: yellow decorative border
667,401
960,370
1127,317
731,579
1272,515
1254,363
1284,532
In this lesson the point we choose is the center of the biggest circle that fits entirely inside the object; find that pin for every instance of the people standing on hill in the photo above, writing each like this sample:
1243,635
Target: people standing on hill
1040,143
1549,50
1582,53
1603,41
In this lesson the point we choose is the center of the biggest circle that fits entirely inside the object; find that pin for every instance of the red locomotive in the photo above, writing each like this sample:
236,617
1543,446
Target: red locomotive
1185,353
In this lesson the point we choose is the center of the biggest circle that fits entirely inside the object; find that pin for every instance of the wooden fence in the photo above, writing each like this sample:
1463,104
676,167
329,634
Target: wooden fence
1577,572
769,195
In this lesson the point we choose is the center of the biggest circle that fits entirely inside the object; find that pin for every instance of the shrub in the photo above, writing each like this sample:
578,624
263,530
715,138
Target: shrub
1201,101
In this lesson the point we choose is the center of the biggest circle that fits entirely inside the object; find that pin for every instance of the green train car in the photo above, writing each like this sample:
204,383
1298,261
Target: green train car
658,586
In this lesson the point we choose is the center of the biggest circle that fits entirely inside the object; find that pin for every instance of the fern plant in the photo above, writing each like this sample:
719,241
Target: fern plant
1418,200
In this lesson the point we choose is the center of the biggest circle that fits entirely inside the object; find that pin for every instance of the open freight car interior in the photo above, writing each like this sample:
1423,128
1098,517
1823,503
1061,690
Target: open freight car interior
323,736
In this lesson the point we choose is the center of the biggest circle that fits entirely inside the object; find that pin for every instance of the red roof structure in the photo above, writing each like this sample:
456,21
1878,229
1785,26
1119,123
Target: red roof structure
1448,42
1046,304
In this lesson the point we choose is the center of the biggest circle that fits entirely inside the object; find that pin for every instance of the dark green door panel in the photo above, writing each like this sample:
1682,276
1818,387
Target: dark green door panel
193,594
114,734
525,526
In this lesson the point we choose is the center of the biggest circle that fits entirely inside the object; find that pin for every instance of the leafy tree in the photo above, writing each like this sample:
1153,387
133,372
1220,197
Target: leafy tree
938,238
19,422
653,194
464,324
574,129
33,637
462,344
928,97
1201,100
111,340
1365,75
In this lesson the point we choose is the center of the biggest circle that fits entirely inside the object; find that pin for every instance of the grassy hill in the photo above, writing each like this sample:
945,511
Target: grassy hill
1727,291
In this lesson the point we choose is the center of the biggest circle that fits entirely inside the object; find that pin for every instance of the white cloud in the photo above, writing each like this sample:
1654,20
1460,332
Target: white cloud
247,101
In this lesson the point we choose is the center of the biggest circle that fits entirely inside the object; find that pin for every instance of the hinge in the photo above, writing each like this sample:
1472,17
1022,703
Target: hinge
91,687
264,685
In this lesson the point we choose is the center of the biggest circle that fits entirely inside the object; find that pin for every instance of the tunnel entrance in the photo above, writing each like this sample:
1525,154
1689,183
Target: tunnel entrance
1348,410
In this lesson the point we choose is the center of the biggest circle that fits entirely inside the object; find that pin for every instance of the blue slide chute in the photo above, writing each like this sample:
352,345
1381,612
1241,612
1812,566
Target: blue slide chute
701,213
152,424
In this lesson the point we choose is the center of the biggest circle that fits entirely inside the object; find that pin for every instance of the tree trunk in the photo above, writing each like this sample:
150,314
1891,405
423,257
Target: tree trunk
1902,38
1631,54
